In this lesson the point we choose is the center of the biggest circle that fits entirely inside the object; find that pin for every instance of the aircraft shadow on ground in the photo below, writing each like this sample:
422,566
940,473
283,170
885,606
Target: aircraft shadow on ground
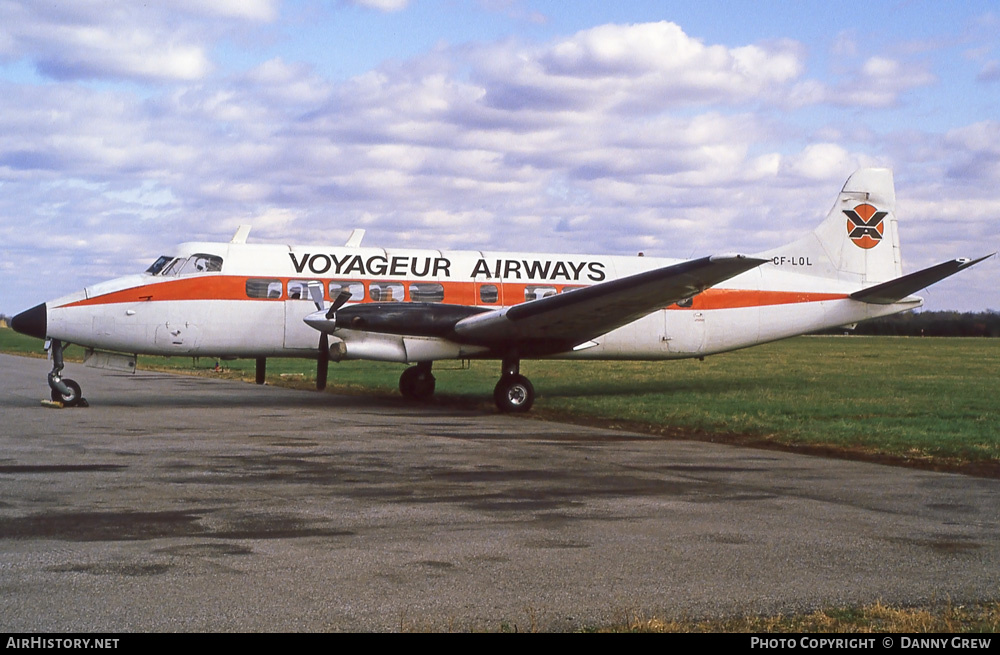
163,390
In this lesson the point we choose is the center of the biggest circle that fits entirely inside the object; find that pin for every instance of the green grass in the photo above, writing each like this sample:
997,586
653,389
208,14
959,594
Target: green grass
917,398
926,401
875,618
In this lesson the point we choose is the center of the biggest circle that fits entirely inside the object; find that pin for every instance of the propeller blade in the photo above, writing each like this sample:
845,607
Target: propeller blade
316,292
338,302
323,361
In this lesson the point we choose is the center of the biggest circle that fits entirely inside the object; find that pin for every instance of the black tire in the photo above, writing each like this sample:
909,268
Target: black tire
71,400
416,383
514,393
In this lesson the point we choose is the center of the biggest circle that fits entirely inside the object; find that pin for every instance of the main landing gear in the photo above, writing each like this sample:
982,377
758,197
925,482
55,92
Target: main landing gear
513,393
417,382
64,390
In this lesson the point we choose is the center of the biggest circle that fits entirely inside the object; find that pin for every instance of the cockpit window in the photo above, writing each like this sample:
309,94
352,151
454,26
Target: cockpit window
167,265
159,264
174,267
202,263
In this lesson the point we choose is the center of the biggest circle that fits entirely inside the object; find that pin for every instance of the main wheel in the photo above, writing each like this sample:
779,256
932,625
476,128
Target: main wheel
416,383
71,400
514,393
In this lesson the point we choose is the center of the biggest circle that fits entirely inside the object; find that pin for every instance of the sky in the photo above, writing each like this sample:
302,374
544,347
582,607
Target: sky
679,129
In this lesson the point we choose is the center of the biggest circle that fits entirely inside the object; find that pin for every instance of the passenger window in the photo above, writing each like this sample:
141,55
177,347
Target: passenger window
488,293
357,289
426,292
532,292
299,289
386,291
687,302
263,288
568,288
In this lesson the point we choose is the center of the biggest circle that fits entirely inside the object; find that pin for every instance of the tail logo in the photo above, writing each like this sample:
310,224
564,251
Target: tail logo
864,225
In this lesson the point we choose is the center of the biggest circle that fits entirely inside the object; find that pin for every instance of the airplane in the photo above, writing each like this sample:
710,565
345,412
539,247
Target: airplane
241,300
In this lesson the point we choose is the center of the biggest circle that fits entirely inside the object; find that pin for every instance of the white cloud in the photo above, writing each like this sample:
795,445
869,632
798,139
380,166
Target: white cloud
614,139
291,83
632,68
880,82
381,5
990,72
104,39
821,161
253,10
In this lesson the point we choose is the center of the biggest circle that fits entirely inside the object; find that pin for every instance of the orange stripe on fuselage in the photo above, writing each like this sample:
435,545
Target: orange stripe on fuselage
214,287
227,287
733,298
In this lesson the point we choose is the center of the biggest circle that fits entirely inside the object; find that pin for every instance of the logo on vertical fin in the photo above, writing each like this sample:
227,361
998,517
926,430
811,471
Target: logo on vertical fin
864,225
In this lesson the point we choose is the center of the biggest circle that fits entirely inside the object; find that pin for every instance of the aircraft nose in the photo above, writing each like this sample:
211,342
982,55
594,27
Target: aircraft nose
33,322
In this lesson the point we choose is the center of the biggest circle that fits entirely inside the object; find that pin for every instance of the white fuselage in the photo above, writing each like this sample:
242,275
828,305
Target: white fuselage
249,300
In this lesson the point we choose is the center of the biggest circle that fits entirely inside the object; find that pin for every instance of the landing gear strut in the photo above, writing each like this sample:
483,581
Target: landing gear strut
64,390
514,392
417,382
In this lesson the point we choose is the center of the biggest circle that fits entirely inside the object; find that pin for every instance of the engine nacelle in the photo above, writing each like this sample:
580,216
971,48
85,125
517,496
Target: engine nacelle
400,318
397,348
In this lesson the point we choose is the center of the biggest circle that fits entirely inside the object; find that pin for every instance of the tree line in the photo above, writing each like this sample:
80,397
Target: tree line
929,324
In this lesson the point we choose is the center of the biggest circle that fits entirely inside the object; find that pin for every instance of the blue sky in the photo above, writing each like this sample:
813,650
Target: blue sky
679,129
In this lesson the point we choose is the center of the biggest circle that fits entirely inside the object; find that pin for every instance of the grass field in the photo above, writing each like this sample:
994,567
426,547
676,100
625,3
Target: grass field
931,402
876,618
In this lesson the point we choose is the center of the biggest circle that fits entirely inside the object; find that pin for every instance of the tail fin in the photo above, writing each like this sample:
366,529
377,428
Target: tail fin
859,241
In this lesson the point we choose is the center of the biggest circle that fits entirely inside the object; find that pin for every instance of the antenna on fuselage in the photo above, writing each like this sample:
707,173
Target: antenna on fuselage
354,241
242,232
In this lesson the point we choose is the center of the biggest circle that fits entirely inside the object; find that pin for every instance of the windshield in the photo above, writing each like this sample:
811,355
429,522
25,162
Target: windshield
197,263
159,264
174,267
202,263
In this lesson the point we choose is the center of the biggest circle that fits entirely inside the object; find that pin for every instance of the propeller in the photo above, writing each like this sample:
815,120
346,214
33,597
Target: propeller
323,360
338,302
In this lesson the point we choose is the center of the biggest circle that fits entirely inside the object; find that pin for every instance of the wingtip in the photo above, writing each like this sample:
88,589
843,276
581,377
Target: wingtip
736,256
966,262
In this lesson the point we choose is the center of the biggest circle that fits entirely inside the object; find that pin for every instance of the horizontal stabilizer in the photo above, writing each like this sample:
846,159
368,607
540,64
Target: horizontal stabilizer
895,290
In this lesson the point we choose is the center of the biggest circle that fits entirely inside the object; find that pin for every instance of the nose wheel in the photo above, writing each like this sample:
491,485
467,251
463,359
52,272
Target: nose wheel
64,390
71,399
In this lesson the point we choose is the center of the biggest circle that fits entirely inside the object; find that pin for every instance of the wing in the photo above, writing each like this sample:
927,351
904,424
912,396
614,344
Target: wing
560,322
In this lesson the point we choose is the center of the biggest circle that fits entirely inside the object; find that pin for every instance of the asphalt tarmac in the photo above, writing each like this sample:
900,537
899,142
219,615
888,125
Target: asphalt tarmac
178,503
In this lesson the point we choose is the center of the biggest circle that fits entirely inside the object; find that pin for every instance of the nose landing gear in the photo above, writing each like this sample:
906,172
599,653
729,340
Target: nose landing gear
64,390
